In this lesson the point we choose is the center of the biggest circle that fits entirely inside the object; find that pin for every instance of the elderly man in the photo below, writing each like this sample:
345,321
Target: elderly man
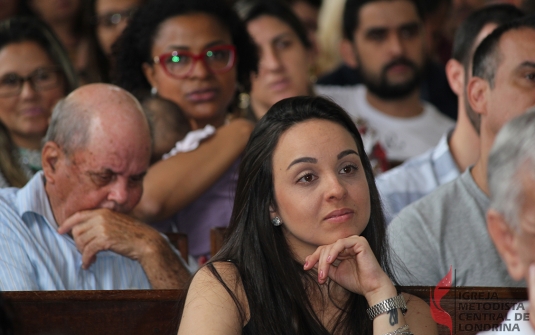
511,217
447,228
459,148
67,229
386,40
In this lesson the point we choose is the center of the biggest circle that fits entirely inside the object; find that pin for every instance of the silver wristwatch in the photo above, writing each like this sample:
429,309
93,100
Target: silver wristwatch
387,305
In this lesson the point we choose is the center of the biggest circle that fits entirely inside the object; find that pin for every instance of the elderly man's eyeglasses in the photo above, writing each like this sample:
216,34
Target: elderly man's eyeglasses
114,18
180,64
40,79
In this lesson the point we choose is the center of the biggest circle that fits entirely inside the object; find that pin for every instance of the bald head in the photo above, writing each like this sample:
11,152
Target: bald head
97,111
97,151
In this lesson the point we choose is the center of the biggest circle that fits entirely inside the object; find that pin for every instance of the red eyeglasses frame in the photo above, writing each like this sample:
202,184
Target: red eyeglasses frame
196,57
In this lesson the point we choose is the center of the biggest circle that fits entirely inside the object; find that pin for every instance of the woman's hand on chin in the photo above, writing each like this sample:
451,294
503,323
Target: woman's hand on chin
351,263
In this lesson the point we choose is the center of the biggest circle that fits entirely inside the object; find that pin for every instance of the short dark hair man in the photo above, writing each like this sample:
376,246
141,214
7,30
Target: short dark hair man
67,229
387,43
459,148
447,228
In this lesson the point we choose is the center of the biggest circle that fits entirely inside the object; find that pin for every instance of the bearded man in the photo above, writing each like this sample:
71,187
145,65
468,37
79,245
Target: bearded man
385,39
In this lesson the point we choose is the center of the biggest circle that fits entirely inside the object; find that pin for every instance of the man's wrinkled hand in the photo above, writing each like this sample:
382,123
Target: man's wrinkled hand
103,229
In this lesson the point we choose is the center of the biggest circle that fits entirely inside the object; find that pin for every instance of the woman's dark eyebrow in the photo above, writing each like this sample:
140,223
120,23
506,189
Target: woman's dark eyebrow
281,36
302,160
314,160
209,45
347,152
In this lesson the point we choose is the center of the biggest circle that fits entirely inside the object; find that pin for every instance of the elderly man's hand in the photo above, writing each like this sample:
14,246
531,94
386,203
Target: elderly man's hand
103,229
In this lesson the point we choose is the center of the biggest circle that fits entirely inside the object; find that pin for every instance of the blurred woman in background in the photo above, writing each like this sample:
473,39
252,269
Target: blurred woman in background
107,19
35,73
197,54
66,19
286,53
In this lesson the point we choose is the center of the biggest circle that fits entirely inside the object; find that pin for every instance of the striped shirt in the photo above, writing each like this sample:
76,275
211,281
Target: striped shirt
416,178
33,256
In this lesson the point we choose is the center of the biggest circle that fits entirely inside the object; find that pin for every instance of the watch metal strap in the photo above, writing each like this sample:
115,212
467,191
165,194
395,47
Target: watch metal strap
387,305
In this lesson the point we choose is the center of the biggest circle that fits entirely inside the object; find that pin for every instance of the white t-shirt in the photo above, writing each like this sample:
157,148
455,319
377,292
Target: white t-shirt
401,138
516,322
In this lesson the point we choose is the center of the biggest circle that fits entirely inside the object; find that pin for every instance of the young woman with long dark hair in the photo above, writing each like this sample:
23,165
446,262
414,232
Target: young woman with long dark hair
306,251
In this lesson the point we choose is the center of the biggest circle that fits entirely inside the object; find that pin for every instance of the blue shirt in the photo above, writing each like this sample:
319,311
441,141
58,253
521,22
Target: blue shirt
416,178
33,256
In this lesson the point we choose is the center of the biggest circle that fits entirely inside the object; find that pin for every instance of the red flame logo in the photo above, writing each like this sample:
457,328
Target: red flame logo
439,314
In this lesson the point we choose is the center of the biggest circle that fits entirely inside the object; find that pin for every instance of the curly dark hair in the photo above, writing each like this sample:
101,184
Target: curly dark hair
135,44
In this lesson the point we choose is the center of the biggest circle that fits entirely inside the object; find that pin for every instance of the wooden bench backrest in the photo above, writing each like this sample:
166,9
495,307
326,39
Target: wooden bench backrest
95,312
217,237
180,242
156,312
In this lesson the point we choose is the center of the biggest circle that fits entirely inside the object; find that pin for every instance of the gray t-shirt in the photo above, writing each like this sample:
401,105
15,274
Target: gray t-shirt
448,228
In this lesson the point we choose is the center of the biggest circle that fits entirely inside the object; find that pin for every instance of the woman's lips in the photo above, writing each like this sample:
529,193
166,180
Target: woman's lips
340,215
203,95
32,111
279,85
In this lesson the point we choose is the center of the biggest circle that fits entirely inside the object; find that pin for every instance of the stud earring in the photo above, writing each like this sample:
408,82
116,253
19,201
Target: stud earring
153,91
276,221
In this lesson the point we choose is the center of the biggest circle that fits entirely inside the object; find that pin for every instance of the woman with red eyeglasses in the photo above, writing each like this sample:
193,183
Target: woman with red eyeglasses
197,54
35,73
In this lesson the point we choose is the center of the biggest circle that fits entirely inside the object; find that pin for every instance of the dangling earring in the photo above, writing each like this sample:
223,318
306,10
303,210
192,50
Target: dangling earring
244,100
153,91
276,221
243,97
312,74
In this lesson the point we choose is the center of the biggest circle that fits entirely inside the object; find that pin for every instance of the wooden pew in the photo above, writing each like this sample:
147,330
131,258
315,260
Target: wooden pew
180,242
95,312
217,237
471,309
